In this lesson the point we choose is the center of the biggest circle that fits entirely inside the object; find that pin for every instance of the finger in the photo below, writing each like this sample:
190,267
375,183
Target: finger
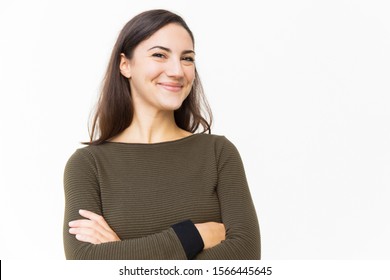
85,231
93,228
97,223
87,238
94,217
87,224
81,223
92,235
95,236
88,214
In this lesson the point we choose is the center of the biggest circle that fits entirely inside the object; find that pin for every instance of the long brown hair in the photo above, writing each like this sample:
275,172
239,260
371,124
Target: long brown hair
114,110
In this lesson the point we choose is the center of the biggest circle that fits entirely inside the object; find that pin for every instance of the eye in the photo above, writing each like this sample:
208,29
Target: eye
188,58
159,55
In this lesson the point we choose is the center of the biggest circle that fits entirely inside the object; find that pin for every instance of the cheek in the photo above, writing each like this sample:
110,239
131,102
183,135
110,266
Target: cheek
190,75
152,71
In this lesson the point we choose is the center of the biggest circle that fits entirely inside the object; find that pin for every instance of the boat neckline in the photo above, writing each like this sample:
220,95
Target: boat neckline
155,143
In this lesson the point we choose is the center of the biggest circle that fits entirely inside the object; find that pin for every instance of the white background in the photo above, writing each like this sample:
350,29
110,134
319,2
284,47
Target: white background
300,87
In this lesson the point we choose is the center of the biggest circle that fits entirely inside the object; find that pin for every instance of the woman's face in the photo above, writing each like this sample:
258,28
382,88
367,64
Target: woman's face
162,70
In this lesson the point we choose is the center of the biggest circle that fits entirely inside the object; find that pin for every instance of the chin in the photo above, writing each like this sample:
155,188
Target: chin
173,107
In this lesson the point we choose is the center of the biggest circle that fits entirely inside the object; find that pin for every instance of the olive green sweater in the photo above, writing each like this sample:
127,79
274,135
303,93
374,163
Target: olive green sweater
144,189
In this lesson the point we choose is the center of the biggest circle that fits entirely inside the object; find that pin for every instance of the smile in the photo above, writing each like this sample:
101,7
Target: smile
171,86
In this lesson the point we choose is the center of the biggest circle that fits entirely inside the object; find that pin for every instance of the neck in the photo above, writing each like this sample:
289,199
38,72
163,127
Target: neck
151,128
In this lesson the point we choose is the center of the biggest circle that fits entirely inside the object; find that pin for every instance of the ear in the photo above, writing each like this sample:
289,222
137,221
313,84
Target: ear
124,66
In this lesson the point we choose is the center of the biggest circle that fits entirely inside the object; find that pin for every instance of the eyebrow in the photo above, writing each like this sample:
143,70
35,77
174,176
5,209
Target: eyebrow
169,50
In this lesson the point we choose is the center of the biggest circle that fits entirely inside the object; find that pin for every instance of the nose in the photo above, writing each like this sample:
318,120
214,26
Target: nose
174,68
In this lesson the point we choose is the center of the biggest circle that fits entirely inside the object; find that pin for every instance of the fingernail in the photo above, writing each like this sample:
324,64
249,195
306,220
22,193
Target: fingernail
70,223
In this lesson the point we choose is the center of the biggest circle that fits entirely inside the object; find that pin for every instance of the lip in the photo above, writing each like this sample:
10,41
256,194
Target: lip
171,86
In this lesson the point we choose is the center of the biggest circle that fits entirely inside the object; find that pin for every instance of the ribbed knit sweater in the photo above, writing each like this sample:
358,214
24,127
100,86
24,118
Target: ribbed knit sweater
143,189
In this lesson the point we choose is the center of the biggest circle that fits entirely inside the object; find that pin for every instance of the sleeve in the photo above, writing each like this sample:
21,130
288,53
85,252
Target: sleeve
82,191
237,210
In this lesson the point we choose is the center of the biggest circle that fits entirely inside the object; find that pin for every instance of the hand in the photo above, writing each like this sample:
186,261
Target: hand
94,229
212,233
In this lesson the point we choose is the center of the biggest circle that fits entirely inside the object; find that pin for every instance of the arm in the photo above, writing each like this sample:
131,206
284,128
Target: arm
82,192
237,210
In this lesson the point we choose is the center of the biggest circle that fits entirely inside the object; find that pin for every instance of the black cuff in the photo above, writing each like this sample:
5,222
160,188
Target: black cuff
189,237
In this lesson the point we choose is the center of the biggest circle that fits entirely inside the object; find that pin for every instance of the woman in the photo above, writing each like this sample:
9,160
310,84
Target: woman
147,186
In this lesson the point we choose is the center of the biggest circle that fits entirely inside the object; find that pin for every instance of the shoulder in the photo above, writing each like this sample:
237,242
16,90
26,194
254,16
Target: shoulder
217,139
82,153
81,157
90,152
220,143
212,138
80,169
226,154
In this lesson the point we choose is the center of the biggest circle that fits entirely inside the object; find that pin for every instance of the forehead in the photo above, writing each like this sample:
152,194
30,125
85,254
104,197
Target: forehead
172,36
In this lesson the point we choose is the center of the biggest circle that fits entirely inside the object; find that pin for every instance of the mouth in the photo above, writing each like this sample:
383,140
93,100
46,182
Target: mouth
171,86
